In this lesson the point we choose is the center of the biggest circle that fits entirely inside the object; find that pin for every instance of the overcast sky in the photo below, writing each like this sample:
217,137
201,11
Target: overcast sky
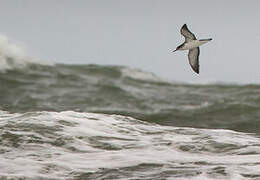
141,34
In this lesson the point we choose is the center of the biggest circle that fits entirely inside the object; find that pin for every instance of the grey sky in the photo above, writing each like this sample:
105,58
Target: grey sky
141,33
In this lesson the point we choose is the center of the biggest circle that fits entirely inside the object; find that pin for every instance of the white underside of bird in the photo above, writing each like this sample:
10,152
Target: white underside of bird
193,44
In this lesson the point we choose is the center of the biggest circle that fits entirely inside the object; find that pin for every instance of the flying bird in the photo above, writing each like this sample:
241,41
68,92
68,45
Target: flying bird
191,44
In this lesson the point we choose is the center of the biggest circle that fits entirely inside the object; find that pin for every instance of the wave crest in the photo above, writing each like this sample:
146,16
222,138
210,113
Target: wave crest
138,74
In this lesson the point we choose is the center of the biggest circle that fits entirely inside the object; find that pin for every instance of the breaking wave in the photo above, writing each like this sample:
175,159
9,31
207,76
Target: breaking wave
72,145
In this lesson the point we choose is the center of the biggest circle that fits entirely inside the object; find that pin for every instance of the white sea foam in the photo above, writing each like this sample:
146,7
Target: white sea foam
73,143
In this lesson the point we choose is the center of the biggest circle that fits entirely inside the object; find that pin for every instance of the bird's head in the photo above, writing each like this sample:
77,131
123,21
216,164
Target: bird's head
178,48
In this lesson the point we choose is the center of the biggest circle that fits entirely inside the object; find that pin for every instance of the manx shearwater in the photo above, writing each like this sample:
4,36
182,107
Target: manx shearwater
191,44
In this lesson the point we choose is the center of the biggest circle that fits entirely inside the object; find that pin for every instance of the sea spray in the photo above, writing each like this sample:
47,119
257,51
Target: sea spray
13,56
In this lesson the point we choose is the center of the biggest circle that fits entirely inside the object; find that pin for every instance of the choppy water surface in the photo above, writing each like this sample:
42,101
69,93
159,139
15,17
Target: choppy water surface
71,145
110,122
124,91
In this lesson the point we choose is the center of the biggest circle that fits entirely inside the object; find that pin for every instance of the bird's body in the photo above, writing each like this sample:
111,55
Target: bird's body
191,44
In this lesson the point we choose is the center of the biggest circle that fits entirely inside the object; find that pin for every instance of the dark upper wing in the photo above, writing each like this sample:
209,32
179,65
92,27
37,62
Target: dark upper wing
194,59
187,34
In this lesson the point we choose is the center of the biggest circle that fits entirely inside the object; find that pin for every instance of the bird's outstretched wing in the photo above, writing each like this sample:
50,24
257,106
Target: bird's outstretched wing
194,59
187,34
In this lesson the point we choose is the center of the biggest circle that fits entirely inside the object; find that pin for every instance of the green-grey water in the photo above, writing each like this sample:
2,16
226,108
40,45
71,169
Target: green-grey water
112,122
116,90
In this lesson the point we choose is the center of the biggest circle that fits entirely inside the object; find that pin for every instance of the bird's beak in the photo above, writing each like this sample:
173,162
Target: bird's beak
174,50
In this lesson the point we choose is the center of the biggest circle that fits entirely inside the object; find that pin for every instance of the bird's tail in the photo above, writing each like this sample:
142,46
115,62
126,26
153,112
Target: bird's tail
206,39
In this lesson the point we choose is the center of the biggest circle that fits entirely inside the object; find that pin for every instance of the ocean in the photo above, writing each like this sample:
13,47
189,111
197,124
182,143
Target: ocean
113,122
